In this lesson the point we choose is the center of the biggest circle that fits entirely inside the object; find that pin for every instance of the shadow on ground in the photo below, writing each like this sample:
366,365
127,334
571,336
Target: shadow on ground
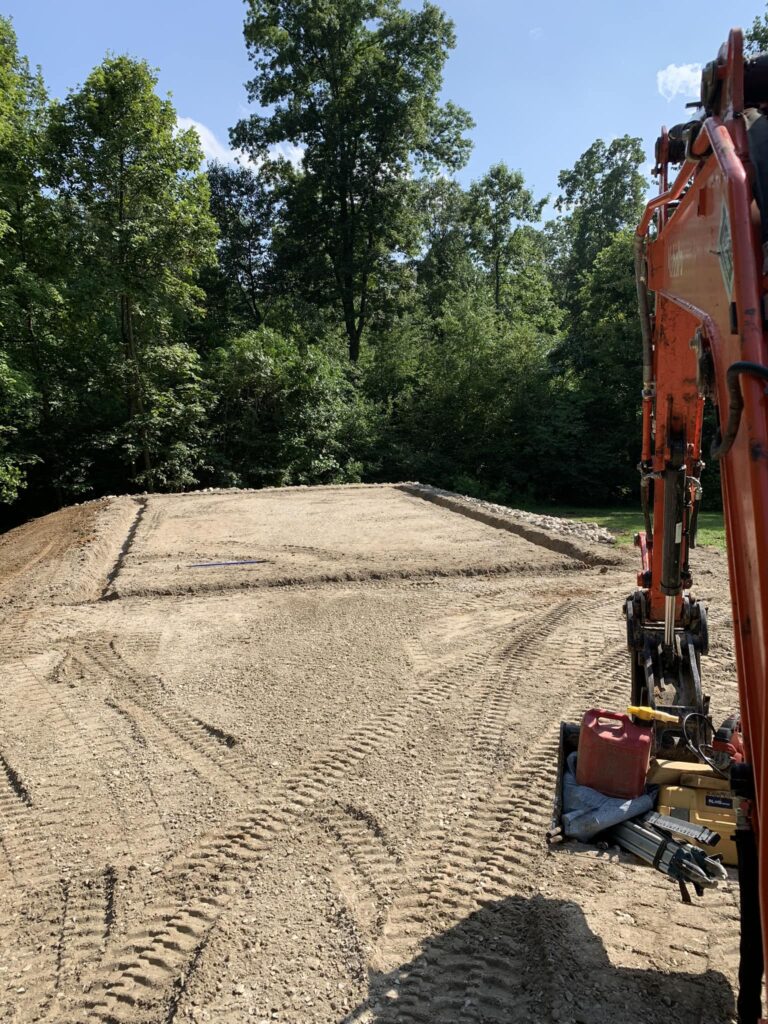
536,960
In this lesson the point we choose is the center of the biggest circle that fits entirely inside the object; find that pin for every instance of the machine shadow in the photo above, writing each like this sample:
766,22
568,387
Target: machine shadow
520,961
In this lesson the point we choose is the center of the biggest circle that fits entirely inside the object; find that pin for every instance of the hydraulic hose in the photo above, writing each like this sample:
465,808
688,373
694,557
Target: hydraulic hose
643,310
724,445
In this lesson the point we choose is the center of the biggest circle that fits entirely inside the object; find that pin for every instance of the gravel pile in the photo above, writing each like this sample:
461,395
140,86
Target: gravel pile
554,524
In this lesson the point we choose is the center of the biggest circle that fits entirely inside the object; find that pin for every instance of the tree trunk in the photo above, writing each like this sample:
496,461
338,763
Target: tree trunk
52,461
354,347
136,388
352,324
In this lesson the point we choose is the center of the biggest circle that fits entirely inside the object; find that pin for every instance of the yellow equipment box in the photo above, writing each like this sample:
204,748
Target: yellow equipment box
704,799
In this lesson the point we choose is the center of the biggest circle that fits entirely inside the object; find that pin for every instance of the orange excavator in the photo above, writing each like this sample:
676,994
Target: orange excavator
702,278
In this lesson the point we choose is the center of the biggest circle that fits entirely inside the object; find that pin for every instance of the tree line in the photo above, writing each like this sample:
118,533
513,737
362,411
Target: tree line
353,315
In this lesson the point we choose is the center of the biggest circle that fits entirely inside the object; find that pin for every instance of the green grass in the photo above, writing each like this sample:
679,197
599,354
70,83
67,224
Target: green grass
624,523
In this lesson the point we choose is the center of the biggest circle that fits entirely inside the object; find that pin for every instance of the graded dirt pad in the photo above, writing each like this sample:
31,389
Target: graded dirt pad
196,543
314,788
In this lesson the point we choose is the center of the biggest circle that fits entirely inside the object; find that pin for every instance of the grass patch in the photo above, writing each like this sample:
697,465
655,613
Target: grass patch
624,523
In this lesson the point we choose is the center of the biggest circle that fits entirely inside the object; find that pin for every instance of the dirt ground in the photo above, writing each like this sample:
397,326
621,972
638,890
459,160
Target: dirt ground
313,785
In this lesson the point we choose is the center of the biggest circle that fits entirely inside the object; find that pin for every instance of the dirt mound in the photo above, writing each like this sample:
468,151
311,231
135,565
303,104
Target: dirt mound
235,540
65,556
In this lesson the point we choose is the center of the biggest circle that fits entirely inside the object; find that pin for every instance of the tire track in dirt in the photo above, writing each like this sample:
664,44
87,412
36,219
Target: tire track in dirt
483,977
29,827
475,644
470,981
15,802
135,796
158,951
218,865
375,862
60,942
465,776
86,755
243,849
153,714
484,683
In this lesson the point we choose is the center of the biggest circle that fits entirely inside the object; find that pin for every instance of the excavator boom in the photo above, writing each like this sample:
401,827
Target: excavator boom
701,261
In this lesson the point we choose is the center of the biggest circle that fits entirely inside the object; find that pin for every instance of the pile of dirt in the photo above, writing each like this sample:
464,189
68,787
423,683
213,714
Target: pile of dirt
64,557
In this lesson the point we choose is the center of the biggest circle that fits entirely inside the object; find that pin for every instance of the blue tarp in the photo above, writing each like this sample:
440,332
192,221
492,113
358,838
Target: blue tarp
587,812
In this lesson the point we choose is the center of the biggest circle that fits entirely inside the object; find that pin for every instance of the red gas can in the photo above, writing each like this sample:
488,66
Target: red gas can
613,754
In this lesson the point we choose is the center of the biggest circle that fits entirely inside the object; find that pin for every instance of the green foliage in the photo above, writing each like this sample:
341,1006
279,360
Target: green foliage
356,83
245,205
497,205
604,379
28,294
601,194
756,37
136,224
161,327
624,523
460,395
282,416
17,413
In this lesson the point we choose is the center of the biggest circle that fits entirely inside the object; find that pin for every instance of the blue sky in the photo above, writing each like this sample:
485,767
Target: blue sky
541,79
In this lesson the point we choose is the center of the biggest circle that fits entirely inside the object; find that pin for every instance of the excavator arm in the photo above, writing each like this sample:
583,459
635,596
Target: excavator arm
701,263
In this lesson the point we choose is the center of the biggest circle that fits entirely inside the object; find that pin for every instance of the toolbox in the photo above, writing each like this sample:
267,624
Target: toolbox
703,799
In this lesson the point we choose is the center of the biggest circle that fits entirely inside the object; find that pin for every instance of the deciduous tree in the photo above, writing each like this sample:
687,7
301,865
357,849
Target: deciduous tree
498,204
136,211
601,194
356,84
27,275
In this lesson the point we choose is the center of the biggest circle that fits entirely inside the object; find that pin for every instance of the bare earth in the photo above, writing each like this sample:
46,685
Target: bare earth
314,787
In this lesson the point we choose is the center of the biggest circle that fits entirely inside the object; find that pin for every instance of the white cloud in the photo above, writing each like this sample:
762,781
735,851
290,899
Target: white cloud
536,33
211,146
214,149
292,153
679,80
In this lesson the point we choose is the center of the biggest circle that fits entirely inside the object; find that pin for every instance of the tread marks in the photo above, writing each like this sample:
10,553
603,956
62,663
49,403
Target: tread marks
167,939
490,858
15,801
88,917
157,718
469,980
449,850
183,980
113,758
146,976
223,737
363,841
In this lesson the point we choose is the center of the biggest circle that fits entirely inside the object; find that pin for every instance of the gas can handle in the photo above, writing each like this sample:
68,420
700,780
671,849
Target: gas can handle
599,713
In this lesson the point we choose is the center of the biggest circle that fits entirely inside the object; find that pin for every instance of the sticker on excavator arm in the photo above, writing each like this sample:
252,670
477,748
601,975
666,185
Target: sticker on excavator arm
725,251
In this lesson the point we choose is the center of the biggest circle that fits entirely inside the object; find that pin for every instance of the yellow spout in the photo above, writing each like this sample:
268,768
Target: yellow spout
646,714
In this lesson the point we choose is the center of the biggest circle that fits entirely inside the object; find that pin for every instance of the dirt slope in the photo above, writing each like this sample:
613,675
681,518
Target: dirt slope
312,786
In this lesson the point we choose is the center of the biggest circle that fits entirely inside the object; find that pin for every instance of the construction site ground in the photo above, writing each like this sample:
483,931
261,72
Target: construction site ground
289,756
